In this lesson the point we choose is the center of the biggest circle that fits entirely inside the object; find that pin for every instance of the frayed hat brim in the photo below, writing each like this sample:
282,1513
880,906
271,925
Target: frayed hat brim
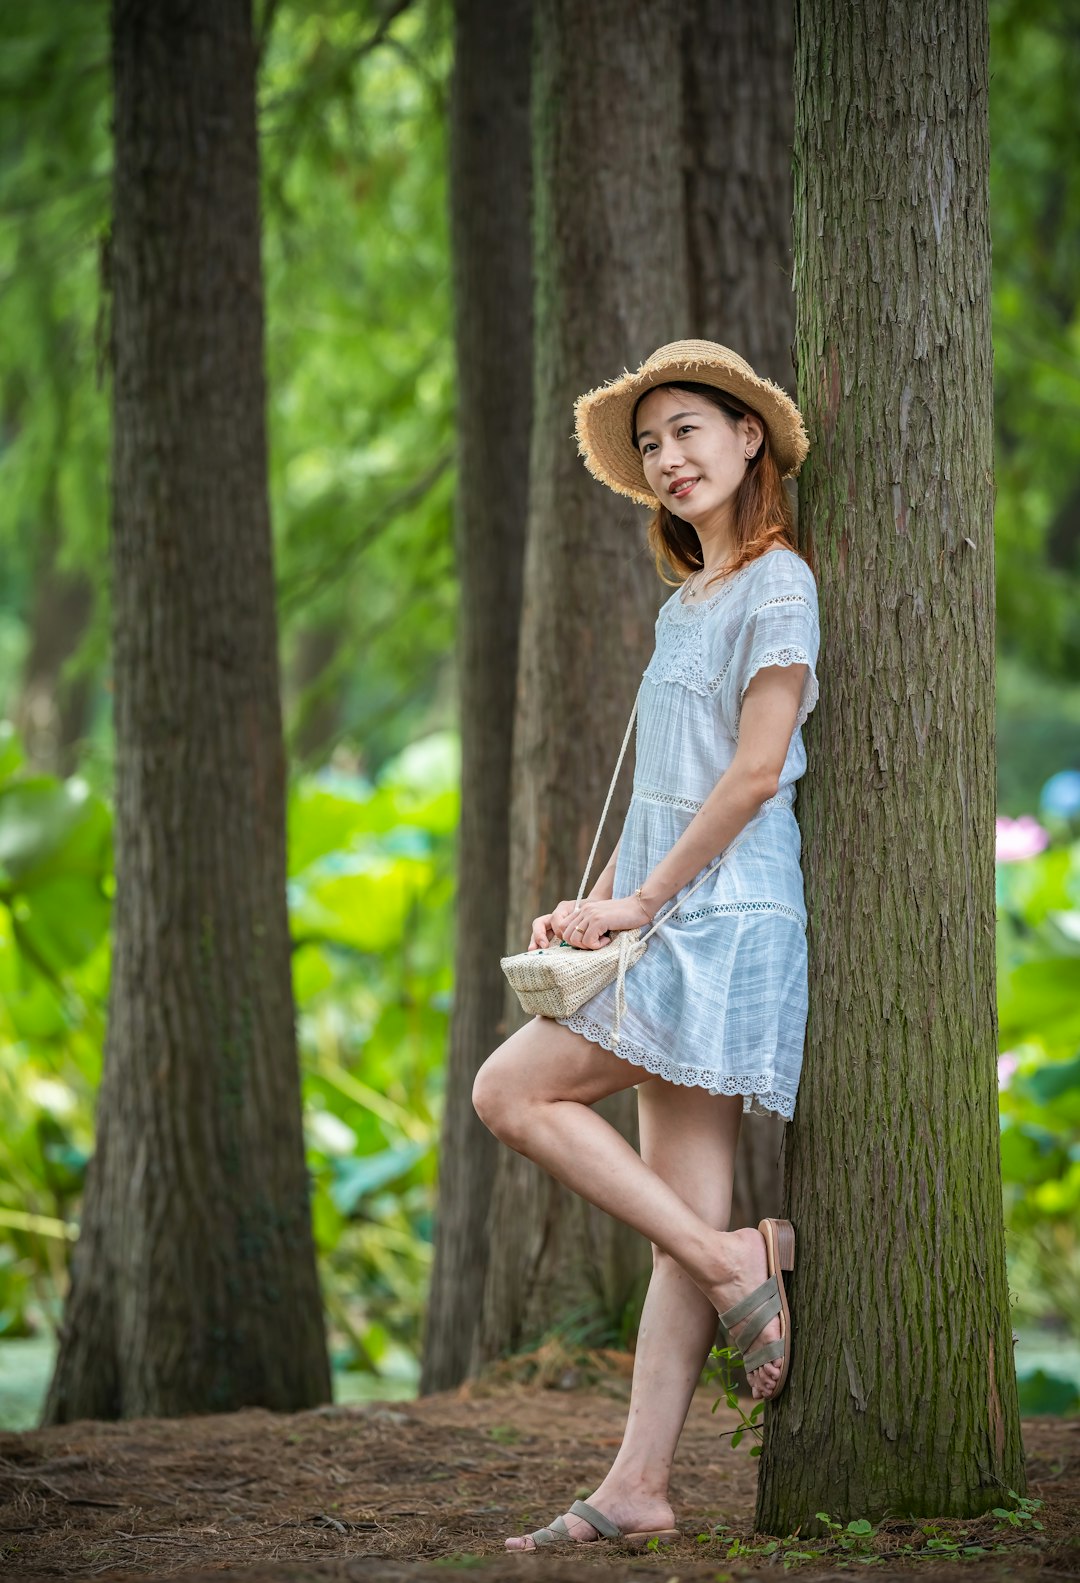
602,415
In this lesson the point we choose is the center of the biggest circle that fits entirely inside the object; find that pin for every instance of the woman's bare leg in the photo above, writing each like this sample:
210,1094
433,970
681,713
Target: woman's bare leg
535,1092
688,1138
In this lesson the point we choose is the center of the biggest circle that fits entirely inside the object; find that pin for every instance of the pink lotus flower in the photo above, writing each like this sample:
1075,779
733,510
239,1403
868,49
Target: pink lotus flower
1019,838
1007,1065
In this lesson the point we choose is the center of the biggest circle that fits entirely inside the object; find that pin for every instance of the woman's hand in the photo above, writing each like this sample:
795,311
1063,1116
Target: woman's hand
589,925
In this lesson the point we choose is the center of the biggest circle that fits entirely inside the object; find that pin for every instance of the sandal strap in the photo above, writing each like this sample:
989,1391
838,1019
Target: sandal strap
603,1525
757,1322
555,1533
760,1295
766,1353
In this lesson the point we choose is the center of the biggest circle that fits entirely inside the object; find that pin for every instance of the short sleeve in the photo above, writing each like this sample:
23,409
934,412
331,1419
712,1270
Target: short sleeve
780,628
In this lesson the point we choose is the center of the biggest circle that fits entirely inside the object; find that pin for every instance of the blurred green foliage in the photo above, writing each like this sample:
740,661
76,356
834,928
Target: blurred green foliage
1035,227
370,896
1038,955
352,130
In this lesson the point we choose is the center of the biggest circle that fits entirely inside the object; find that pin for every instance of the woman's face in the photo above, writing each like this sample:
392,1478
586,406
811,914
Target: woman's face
693,455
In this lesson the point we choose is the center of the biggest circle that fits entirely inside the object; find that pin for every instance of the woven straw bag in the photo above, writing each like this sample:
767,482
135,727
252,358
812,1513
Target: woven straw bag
554,980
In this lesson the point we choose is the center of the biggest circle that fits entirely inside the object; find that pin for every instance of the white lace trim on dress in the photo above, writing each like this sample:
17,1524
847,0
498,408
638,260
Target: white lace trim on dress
758,1097
737,906
781,599
666,799
785,657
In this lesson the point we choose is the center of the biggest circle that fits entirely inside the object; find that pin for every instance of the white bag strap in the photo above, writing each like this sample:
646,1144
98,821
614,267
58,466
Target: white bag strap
607,804
596,838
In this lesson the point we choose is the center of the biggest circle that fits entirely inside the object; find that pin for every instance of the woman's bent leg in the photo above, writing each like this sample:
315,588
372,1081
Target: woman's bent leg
688,1137
535,1092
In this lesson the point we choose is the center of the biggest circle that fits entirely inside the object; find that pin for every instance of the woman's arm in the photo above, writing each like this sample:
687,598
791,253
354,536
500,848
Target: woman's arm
768,719
604,886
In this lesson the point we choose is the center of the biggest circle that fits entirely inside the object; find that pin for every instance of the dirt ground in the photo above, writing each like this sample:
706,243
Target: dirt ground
410,1490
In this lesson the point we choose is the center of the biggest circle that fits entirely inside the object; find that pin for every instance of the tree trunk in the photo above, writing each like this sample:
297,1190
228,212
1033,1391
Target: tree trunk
902,1397
194,1284
491,247
492,260
737,158
611,273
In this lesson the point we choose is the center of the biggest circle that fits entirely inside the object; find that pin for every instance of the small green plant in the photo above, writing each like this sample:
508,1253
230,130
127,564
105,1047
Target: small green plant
856,1538
720,1368
856,1543
1022,1515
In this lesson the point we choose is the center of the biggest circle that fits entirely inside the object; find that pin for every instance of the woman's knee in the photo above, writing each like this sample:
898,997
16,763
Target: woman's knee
493,1098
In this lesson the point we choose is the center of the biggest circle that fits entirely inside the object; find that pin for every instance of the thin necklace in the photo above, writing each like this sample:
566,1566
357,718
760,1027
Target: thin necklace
699,574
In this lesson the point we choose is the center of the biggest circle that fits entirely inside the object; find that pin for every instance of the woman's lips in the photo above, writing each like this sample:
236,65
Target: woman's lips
680,491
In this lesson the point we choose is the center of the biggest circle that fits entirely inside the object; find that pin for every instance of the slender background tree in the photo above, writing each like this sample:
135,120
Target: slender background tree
193,1284
491,255
611,285
902,1397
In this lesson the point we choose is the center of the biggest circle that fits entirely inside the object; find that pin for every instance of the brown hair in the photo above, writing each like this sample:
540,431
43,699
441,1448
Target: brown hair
763,514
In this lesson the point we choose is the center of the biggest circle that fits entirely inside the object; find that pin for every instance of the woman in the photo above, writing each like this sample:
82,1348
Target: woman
715,1012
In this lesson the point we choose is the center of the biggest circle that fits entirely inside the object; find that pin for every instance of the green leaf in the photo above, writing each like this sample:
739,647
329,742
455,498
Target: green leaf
1049,1082
355,1178
11,752
1039,994
363,909
326,815
63,921
51,828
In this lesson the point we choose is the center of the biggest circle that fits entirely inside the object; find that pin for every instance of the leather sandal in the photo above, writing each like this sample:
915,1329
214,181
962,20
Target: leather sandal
764,1303
557,1533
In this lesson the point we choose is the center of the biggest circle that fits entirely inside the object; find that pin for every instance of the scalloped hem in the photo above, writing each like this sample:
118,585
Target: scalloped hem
758,1098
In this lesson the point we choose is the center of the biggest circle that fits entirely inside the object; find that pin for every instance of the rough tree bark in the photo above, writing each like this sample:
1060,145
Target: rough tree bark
490,210
611,286
902,1397
737,159
194,1284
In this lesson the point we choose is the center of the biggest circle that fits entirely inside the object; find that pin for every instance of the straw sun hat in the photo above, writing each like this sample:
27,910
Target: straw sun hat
603,416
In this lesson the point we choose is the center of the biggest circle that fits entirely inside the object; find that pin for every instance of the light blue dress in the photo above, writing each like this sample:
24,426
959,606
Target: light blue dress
719,999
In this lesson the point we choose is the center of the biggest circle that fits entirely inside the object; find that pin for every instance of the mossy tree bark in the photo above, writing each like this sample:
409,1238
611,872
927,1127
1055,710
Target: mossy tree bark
737,158
490,213
610,287
194,1285
902,1397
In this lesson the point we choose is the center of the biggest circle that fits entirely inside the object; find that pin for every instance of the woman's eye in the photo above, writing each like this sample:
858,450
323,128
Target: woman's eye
683,426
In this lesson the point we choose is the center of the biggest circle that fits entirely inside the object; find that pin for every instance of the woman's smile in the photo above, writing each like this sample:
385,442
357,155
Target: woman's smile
682,486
